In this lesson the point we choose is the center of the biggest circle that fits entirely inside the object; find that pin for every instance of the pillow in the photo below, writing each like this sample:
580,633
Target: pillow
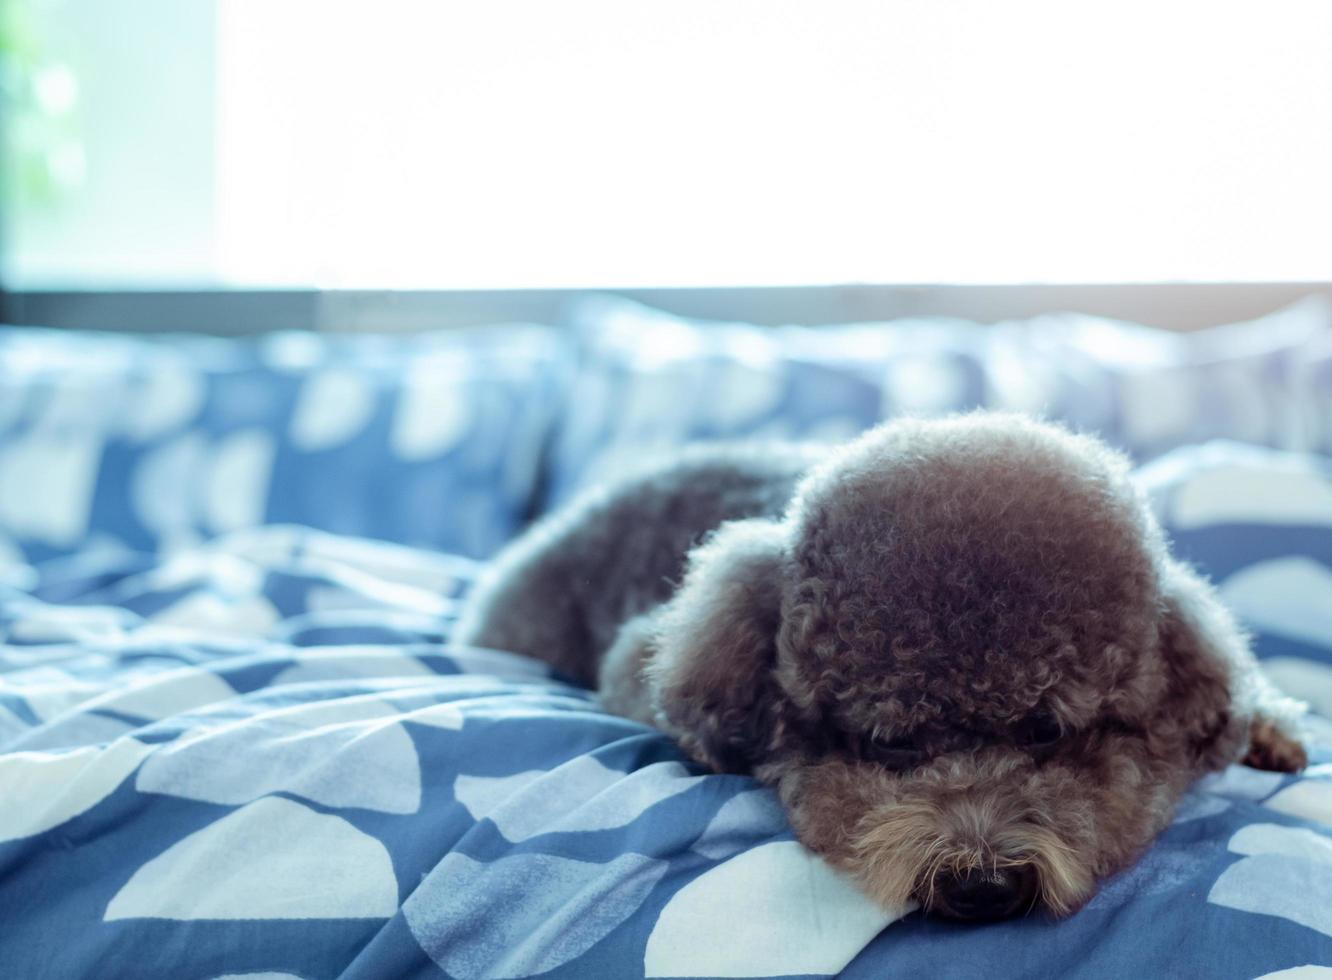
649,380
1257,382
153,443
1259,523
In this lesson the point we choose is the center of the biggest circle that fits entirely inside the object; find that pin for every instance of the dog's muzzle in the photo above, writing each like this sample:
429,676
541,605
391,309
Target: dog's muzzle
979,894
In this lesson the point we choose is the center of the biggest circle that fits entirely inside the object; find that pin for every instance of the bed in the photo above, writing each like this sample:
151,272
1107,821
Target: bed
236,741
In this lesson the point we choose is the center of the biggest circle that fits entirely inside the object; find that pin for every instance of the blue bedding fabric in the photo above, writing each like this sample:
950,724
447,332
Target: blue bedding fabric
261,757
234,746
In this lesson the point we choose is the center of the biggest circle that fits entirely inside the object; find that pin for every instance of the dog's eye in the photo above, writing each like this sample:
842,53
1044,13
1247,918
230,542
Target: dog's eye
1039,732
895,753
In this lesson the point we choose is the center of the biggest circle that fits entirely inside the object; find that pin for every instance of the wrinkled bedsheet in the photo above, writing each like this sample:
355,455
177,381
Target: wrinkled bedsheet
261,756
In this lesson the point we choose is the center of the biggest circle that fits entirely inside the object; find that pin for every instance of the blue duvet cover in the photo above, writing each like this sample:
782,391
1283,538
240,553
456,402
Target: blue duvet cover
261,757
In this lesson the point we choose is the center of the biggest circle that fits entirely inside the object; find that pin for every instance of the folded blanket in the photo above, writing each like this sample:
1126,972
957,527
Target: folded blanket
262,757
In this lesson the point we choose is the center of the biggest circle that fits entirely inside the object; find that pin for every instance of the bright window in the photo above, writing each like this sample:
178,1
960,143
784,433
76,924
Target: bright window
612,143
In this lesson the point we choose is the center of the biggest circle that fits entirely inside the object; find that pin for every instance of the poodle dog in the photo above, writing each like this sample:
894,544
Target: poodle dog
958,649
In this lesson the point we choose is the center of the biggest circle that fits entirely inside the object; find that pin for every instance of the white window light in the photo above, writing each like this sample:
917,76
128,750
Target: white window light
610,143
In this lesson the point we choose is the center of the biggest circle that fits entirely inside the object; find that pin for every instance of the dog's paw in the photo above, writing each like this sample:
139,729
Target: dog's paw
1273,750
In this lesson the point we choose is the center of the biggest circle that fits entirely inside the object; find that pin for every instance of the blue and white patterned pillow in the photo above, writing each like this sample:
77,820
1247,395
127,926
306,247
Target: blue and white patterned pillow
649,380
1267,382
155,443
1259,523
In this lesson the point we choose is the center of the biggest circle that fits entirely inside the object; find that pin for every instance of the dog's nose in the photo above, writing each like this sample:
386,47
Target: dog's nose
977,894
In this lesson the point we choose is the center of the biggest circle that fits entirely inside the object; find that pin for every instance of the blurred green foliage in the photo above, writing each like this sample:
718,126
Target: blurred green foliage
39,97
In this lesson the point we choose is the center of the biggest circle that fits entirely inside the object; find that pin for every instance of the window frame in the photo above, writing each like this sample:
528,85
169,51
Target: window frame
229,312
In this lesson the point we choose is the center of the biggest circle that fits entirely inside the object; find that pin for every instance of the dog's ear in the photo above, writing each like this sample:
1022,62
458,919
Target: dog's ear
711,674
1215,692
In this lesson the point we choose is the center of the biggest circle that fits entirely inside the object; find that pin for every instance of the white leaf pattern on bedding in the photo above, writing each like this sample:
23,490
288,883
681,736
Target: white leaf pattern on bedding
432,415
272,859
924,383
1309,800
581,795
1158,406
775,909
164,401
44,789
50,692
437,716
1287,873
243,616
163,487
236,494
1305,679
752,392
1286,596
485,920
741,822
333,406
1252,495
1241,782
65,468
74,731
306,752
349,663
169,694
1199,806
485,795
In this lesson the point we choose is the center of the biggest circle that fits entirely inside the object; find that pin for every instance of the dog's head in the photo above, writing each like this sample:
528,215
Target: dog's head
965,660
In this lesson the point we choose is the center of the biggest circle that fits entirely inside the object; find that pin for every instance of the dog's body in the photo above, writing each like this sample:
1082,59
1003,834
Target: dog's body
958,649
564,591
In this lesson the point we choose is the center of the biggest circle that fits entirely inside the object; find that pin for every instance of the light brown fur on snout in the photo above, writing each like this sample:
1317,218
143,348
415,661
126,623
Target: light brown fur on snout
989,812
954,647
